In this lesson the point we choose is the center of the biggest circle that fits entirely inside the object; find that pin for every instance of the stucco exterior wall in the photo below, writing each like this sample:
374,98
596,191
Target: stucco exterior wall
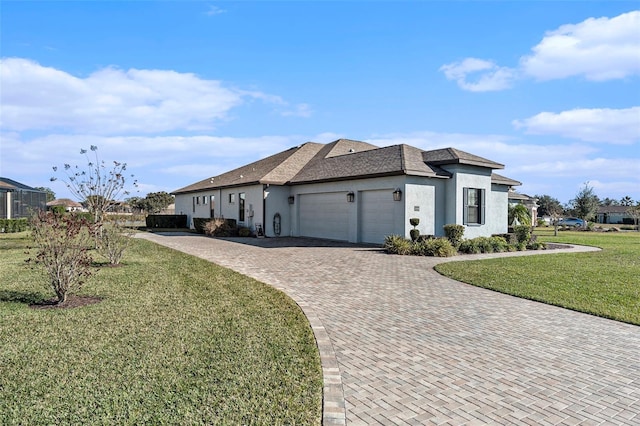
421,203
435,201
277,201
466,176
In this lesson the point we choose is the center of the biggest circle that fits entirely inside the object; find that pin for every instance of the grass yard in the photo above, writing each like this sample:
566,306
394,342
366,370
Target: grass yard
175,340
605,283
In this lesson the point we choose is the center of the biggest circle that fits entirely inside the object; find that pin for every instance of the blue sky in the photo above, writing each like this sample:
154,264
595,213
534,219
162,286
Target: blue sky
182,91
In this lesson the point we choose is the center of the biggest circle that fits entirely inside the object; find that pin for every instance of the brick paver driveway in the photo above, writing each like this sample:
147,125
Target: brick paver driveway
401,344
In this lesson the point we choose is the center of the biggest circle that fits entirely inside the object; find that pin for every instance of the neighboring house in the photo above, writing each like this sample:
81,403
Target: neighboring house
119,207
354,191
18,200
68,204
614,214
529,202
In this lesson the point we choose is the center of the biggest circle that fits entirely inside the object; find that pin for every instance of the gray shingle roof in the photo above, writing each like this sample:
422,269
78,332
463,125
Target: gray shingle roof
455,156
342,160
276,169
10,185
503,180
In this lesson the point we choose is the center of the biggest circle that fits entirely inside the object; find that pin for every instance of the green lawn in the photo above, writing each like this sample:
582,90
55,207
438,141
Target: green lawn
605,283
175,340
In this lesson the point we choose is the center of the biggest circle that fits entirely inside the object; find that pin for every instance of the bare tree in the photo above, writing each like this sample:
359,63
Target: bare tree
62,250
634,212
96,185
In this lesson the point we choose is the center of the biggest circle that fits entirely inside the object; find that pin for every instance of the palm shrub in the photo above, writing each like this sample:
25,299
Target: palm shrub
62,244
454,234
519,214
395,244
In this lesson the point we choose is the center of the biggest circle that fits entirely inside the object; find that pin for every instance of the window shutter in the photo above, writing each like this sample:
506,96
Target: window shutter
465,206
482,206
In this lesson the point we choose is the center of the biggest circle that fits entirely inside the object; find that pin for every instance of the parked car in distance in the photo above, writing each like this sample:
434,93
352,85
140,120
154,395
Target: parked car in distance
571,221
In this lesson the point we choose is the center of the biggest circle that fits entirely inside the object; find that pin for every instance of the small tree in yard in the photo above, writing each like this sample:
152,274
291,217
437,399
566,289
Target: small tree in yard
634,212
115,240
62,243
154,202
586,203
98,185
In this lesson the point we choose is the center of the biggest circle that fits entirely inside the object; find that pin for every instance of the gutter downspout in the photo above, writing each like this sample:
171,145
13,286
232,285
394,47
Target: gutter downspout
264,209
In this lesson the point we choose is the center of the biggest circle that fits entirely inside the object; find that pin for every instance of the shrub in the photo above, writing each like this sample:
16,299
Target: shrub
13,225
454,234
510,238
535,245
395,244
523,233
114,240
414,221
244,232
499,244
220,228
415,233
166,221
62,250
478,245
58,209
440,247
469,247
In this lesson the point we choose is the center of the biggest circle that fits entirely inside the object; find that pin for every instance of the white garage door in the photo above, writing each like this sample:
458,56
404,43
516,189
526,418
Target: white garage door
376,216
324,215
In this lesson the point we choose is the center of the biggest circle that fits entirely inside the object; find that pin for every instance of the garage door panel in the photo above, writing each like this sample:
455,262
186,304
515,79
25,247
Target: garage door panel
324,215
376,216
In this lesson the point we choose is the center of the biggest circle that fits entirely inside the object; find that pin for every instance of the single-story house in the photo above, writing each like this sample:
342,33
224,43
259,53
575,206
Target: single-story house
355,191
18,200
614,214
68,204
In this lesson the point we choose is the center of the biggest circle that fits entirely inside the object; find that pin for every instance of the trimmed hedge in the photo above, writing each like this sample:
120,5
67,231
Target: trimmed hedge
166,221
13,225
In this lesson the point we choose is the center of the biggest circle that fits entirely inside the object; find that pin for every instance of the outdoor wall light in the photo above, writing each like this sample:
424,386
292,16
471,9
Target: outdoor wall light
351,197
397,195
291,199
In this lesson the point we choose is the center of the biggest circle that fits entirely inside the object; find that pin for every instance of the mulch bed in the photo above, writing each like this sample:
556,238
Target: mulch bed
72,301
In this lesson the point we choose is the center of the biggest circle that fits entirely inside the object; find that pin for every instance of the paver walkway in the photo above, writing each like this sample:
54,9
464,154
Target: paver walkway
401,344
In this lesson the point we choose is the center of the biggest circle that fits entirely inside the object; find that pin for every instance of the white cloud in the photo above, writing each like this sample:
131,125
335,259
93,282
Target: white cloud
618,126
113,101
491,76
214,10
300,110
598,49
